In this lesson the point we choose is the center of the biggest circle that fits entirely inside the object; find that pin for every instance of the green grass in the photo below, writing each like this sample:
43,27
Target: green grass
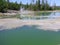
10,16
43,13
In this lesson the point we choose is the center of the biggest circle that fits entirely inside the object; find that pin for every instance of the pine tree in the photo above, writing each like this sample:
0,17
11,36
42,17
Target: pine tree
54,6
43,5
38,6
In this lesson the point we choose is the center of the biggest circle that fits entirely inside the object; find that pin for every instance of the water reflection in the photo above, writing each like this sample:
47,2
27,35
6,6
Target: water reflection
41,15
36,15
54,15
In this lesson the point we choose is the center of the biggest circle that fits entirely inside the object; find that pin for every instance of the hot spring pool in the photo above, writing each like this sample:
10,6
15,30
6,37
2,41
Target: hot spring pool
29,35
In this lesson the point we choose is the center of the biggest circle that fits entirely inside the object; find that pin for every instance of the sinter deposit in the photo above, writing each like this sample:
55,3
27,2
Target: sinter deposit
47,24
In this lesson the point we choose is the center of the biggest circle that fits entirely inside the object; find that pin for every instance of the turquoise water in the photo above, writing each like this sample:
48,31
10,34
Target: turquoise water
29,35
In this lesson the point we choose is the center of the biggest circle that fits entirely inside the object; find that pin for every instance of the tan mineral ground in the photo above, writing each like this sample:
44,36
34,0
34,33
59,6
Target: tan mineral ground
46,24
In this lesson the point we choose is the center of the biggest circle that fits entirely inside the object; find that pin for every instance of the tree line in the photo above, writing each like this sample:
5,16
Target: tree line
34,5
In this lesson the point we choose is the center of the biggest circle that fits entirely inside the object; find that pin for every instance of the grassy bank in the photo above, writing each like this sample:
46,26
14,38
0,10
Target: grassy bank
9,16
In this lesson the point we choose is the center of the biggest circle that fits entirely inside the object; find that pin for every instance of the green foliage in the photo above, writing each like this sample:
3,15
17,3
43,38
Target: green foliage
14,6
3,6
36,6
39,5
